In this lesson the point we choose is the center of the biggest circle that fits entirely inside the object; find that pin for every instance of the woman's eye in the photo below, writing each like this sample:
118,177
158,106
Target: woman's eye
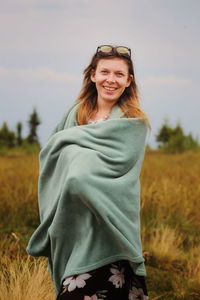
120,74
104,72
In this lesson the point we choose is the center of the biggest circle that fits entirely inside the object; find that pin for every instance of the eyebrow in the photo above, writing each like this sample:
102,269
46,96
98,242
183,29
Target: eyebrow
117,71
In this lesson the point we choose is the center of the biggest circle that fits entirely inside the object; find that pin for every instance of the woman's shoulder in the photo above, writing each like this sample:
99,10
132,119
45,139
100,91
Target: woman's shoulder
117,112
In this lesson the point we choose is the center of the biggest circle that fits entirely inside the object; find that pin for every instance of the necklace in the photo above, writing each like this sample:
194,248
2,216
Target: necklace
104,118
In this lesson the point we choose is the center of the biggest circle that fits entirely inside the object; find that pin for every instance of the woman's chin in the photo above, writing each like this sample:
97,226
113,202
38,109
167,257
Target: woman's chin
110,98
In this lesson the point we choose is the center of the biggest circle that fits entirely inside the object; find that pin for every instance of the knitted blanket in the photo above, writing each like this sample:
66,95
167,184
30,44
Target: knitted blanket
89,195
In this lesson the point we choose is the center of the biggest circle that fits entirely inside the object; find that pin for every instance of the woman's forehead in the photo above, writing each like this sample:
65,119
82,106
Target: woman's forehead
115,62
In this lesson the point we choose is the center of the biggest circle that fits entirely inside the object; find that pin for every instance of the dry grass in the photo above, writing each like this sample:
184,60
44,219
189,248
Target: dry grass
170,227
25,278
170,219
192,266
18,192
165,245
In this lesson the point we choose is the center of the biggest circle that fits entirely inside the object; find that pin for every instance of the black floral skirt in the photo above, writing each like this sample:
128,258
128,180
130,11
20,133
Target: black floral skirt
115,281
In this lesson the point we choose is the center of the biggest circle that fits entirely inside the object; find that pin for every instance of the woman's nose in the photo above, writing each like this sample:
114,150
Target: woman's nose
110,78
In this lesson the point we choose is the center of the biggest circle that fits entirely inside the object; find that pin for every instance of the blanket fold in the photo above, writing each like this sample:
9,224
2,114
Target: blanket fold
89,196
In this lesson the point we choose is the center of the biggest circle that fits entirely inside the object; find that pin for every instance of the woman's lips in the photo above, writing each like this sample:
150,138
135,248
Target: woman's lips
109,88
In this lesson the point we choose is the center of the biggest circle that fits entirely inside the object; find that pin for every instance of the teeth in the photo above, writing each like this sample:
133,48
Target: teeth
109,88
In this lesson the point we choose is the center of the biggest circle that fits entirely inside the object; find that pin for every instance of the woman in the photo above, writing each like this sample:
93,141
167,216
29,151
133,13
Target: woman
89,189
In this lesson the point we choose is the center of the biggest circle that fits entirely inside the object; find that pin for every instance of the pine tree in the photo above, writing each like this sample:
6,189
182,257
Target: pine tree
7,137
33,122
164,134
174,140
19,133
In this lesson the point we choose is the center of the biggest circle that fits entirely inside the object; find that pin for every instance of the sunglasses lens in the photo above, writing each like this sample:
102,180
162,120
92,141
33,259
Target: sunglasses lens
105,49
123,50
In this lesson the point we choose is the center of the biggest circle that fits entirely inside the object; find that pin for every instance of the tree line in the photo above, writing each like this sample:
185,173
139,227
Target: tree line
170,139
174,140
11,139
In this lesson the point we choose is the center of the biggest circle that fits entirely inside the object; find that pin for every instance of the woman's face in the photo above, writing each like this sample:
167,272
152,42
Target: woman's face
111,78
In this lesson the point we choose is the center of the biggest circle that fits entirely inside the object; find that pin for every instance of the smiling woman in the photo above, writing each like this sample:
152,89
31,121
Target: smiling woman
89,188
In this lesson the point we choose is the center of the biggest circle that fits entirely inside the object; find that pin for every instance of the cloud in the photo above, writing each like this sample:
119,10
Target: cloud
11,5
34,29
40,74
170,80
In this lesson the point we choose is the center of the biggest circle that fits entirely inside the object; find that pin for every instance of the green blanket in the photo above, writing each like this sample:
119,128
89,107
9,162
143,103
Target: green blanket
89,195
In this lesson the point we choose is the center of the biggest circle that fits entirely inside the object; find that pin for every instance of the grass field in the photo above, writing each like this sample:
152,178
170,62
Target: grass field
170,211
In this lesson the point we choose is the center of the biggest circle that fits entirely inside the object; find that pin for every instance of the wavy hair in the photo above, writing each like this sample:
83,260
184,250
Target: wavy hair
128,101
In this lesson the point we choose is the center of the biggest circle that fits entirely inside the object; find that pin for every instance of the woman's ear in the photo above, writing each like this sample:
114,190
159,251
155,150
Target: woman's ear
92,76
129,80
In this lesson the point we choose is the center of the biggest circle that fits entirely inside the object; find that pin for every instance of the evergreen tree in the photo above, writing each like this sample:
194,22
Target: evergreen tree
190,142
174,140
177,131
33,122
164,134
7,137
19,133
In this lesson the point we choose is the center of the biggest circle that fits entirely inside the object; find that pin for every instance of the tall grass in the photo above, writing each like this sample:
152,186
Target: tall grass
18,193
170,223
24,278
170,193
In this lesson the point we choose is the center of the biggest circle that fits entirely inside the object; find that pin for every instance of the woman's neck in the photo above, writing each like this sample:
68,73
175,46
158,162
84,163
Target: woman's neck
104,108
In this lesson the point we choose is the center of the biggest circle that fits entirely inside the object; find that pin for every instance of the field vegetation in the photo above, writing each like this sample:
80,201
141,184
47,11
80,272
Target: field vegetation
170,206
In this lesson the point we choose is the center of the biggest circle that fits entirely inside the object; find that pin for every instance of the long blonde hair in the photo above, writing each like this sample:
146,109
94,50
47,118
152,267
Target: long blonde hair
128,101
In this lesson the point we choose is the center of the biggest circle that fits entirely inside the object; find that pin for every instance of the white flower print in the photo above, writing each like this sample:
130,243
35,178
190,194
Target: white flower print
136,294
96,296
76,281
118,278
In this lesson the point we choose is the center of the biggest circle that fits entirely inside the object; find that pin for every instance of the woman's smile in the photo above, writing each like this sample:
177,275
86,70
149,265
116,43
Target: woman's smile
110,89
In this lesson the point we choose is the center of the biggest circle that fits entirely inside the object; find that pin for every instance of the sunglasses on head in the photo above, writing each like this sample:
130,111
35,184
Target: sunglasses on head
107,49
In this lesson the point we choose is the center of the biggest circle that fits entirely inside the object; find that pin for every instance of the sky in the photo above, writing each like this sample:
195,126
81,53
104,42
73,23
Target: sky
46,44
